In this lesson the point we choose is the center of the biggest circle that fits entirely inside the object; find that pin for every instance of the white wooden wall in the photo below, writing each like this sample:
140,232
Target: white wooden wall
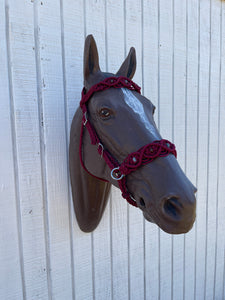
180,48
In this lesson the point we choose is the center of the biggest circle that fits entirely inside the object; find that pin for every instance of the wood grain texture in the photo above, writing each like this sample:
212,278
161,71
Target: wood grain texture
219,272
214,98
165,122
25,110
203,143
150,36
53,139
191,137
179,128
180,48
119,214
11,253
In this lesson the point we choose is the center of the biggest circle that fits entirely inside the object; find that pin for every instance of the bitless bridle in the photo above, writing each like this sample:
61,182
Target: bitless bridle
133,161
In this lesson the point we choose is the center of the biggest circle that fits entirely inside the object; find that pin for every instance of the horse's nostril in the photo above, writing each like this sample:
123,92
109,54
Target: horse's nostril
142,202
172,207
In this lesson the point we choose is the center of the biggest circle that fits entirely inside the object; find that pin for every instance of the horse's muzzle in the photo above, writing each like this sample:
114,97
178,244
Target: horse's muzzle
165,195
173,214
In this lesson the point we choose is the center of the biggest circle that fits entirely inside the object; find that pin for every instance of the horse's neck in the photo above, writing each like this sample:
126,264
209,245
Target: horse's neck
90,195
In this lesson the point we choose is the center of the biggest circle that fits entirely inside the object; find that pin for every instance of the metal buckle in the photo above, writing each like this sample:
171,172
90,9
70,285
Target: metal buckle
85,117
118,177
132,198
102,149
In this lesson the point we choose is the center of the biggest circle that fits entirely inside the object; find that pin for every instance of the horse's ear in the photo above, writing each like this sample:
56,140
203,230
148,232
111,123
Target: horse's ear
129,65
91,60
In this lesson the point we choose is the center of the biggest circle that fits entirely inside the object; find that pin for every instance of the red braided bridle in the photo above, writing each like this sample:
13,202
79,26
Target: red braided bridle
133,161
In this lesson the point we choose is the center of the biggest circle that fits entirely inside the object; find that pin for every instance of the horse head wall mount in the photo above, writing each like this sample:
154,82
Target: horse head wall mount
114,140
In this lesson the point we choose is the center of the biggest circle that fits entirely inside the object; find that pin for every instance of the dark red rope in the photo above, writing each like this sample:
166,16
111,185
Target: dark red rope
115,82
143,156
147,154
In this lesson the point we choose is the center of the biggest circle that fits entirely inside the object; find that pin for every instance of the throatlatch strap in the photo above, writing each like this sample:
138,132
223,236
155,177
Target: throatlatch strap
133,161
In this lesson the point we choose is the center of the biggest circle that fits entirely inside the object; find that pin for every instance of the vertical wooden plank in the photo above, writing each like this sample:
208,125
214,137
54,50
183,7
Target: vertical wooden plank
11,273
179,129
150,90
203,120
96,24
74,24
22,46
119,239
52,110
133,37
191,137
120,286
219,279
73,18
165,126
212,146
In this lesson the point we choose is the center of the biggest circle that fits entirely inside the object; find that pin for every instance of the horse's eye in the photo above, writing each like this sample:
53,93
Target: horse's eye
104,113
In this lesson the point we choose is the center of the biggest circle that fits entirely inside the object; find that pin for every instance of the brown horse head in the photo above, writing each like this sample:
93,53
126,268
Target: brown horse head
124,122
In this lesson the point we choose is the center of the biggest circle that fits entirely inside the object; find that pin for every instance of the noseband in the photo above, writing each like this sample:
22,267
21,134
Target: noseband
133,161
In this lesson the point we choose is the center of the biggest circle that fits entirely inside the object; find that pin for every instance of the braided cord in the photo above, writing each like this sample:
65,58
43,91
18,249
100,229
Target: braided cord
147,154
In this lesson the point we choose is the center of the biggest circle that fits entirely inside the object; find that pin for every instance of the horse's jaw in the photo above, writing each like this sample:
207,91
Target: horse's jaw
90,195
170,228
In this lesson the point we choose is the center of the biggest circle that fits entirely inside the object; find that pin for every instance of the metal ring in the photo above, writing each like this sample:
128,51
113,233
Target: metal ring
116,178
